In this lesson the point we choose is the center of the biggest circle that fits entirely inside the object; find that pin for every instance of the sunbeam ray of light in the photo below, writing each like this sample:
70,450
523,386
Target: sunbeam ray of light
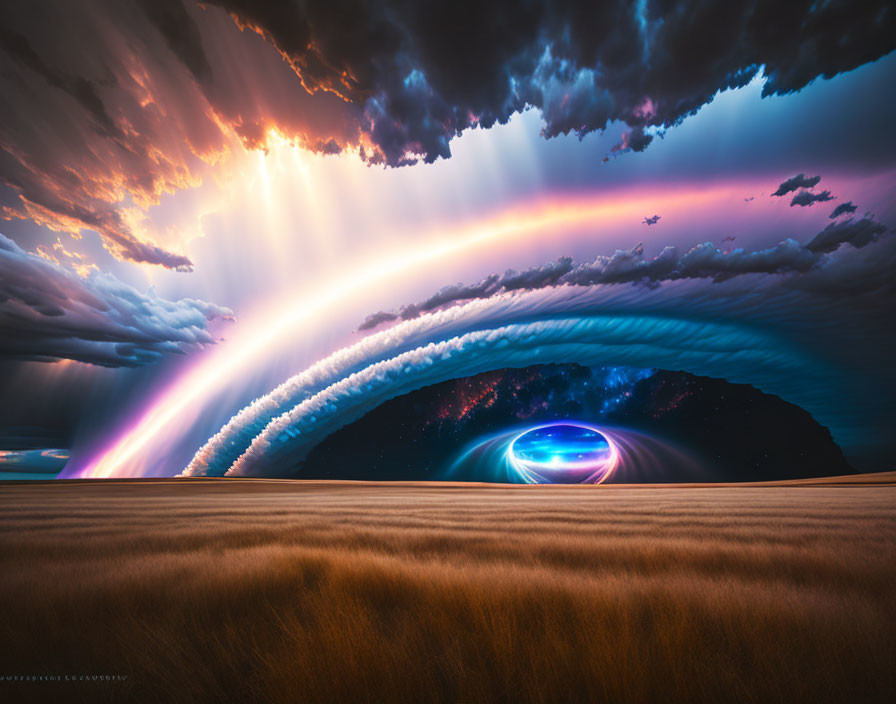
129,454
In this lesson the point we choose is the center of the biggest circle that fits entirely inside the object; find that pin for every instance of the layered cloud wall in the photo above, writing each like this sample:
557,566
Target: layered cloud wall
799,335
704,348
48,313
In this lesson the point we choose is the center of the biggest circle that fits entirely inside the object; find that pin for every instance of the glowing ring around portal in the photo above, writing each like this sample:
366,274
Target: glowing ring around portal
563,453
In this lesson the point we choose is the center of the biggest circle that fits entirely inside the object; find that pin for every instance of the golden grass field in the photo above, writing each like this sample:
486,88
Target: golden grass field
279,591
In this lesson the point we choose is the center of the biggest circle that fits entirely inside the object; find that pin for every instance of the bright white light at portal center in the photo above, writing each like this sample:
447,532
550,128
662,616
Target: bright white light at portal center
562,453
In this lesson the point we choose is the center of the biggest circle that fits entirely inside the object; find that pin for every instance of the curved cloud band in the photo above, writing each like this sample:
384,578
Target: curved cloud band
795,336
709,349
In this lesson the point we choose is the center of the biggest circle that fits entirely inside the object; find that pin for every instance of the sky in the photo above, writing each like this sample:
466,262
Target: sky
313,207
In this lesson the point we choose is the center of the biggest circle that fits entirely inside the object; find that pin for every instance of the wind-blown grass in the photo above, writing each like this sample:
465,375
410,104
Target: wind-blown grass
213,591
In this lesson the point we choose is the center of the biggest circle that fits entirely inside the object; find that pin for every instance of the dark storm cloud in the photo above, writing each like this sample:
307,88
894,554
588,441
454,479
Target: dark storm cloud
804,198
82,90
426,71
53,197
111,104
48,312
795,183
846,208
705,261
181,33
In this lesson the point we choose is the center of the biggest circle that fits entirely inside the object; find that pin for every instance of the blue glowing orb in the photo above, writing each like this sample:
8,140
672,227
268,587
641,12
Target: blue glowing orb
563,453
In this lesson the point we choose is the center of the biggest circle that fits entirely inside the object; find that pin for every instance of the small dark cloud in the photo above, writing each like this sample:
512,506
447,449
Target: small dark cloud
804,198
795,183
635,140
330,146
844,209
652,220
546,275
48,313
859,234
376,319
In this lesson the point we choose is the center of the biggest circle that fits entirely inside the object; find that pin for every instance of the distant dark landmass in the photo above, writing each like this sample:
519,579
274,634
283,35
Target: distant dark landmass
733,431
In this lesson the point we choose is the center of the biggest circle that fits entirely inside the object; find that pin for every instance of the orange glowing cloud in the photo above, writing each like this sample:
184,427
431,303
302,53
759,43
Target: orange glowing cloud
129,116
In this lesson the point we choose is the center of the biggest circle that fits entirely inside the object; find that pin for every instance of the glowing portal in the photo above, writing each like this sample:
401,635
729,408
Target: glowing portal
136,449
610,453
563,453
